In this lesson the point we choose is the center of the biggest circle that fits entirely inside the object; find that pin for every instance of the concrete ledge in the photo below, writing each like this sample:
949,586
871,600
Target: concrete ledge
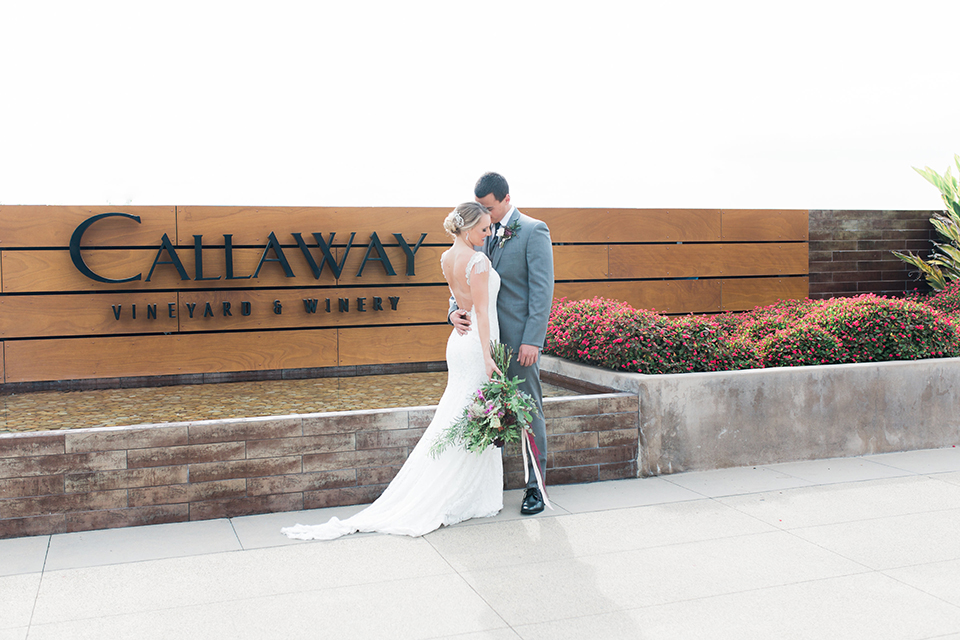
699,421
83,479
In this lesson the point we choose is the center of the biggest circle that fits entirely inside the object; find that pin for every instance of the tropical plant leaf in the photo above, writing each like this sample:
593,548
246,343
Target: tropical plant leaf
943,264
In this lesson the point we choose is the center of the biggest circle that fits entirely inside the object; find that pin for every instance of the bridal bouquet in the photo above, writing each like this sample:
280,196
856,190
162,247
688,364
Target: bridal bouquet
499,412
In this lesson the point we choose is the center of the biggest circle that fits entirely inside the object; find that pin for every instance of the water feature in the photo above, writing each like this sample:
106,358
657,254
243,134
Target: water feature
51,410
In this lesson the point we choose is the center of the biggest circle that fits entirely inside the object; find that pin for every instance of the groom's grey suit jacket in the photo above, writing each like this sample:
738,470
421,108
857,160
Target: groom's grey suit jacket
525,265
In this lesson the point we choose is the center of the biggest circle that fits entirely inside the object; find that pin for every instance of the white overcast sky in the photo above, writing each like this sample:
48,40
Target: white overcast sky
715,104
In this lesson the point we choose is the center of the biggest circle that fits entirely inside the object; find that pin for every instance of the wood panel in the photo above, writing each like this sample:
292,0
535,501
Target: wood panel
665,260
253,225
387,345
756,225
97,314
426,266
707,260
85,315
110,357
765,259
630,225
580,262
414,305
674,266
747,293
53,270
663,296
52,226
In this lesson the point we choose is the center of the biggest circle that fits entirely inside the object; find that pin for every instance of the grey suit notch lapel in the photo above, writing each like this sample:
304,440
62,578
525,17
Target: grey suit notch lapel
488,246
496,250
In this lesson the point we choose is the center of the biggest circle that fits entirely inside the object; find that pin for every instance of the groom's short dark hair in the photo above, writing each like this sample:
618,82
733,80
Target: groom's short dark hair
494,183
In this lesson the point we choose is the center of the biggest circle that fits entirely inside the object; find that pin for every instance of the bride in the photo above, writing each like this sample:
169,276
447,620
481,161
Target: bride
429,492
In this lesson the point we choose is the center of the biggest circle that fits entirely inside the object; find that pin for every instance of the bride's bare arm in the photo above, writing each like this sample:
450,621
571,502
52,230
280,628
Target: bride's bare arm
481,299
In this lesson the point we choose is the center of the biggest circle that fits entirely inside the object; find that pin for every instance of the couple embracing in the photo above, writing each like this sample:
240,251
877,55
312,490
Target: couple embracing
500,274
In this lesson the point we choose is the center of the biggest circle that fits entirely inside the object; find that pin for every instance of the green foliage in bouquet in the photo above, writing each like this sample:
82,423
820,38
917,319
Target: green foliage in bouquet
943,265
498,413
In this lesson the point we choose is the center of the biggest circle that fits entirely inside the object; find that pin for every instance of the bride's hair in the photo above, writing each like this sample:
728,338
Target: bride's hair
463,218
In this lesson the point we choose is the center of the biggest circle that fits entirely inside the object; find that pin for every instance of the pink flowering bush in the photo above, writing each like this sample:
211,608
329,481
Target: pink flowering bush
872,329
612,334
866,328
947,300
804,344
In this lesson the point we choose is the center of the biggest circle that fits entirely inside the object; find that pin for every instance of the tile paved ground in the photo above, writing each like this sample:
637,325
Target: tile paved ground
863,547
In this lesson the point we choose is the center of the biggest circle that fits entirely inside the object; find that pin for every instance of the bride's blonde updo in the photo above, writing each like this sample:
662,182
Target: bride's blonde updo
463,218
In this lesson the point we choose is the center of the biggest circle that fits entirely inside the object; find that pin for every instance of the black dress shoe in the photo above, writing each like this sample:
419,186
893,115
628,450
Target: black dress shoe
532,502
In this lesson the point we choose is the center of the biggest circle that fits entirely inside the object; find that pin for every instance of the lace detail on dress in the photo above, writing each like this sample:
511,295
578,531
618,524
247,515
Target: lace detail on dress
443,270
478,263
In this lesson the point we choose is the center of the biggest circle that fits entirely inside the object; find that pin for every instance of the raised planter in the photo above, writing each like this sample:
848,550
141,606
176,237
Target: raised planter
81,479
698,421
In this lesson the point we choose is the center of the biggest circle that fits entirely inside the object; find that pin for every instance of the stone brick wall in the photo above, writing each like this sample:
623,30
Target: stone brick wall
83,479
850,251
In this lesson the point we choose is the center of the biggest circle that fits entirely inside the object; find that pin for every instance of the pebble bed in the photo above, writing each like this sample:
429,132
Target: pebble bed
53,410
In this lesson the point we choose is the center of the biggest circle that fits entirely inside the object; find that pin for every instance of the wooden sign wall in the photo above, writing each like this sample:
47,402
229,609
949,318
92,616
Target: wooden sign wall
148,291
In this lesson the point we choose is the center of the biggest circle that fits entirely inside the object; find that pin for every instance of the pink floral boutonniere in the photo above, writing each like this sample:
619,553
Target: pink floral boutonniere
505,233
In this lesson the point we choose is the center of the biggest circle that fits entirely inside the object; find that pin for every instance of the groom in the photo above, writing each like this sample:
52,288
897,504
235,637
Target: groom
522,253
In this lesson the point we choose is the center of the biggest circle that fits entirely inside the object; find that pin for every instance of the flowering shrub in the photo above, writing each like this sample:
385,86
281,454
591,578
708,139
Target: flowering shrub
947,300
599,331
613,334
764,321
866,328
871,329
804,344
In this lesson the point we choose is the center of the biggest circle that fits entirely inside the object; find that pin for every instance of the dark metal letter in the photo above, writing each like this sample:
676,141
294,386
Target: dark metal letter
273,243
383,259
166,245
228,256
410,252
77,237
198,259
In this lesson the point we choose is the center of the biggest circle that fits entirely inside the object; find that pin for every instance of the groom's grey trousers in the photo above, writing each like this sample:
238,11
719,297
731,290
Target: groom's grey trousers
531,385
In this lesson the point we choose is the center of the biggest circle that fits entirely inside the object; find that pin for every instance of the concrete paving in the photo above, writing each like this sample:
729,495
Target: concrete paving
865,547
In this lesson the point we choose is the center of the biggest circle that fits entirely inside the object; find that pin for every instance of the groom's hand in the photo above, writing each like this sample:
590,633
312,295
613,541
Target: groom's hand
460,321
528,355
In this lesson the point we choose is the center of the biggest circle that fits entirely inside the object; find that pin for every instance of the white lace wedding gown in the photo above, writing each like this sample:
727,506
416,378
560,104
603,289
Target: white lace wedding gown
455,486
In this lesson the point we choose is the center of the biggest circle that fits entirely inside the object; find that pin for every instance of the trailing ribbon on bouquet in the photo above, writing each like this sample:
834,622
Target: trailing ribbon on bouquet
529,444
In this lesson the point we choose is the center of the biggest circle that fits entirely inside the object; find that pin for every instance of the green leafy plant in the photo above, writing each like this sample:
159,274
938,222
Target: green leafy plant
943,264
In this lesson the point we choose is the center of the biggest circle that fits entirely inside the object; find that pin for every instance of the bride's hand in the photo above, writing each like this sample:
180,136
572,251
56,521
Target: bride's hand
491,368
